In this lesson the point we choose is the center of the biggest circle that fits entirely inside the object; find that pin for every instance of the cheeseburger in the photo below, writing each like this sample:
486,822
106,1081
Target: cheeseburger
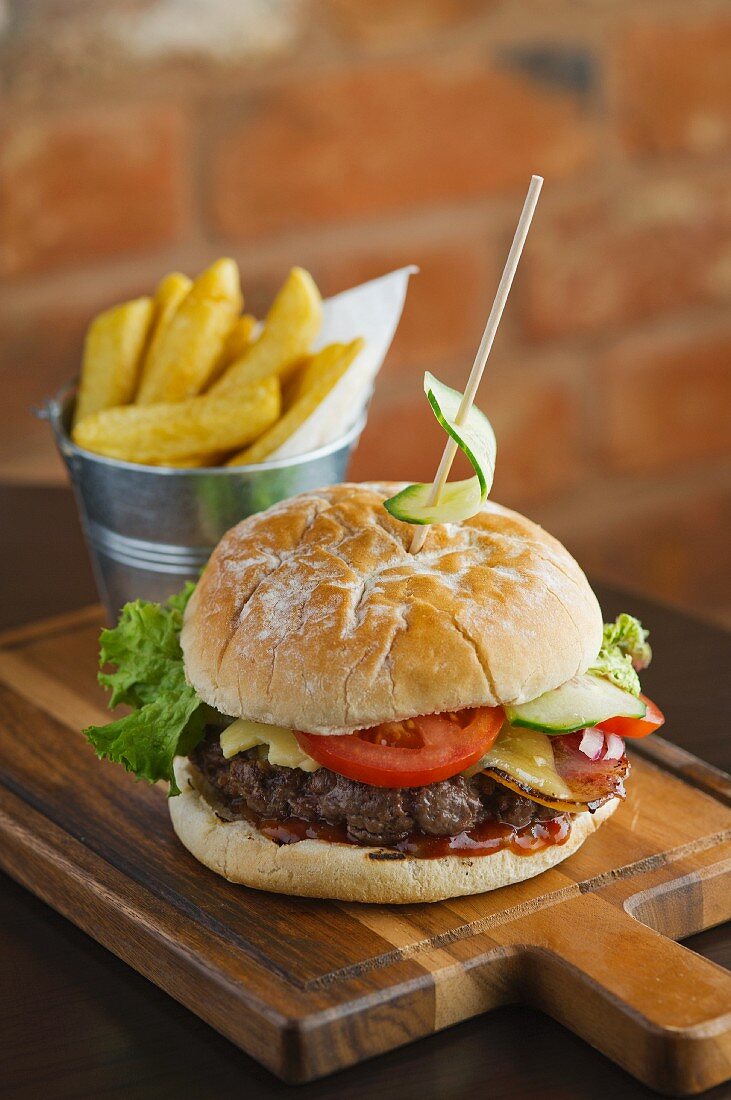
340,718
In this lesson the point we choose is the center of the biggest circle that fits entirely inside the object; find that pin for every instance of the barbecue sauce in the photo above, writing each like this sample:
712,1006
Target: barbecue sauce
483,840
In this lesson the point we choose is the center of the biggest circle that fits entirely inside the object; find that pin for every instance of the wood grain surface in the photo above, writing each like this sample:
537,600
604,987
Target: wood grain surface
308,987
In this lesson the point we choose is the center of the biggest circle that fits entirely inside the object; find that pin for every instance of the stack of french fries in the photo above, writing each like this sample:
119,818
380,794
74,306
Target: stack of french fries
184,378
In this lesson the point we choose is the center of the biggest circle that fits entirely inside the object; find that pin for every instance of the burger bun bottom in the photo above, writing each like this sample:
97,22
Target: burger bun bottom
236,850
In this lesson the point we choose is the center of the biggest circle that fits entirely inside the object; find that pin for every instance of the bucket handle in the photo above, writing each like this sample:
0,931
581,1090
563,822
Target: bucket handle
50,411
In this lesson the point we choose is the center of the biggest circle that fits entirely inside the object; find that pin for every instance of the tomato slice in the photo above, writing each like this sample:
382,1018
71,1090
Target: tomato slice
636,727
412,753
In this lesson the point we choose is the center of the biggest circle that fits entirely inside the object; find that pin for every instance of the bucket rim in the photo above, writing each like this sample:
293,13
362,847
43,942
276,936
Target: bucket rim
55,409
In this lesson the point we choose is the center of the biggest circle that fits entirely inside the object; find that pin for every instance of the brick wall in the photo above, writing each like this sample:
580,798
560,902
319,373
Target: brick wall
352,136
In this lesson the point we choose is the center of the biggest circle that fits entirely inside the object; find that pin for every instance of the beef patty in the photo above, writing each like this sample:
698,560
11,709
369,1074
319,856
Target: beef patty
371,815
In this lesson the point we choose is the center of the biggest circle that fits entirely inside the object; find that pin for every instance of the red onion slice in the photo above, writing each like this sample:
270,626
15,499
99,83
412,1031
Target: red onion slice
592,743
615,747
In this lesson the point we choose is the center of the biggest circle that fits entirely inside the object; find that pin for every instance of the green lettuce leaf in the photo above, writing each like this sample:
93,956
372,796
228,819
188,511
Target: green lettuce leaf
168,718
624,651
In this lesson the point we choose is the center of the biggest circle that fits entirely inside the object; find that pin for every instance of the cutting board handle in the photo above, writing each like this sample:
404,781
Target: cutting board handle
655,1007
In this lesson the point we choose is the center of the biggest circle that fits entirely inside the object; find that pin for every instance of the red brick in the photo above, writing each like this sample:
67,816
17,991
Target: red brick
390,137
394,22
536,424
665,403
51,344
675,85
446,304
89,184
65,48
628,256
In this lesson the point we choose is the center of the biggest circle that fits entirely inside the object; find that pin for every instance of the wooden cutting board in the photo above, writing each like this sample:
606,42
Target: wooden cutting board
308,987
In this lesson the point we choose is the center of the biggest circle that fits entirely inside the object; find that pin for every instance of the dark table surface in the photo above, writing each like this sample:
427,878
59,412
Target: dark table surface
77,1022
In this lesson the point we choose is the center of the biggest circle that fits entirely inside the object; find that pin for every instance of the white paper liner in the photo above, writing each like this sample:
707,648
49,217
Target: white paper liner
371,311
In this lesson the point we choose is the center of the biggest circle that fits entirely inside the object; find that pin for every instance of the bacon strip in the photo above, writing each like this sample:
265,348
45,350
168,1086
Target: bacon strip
591,781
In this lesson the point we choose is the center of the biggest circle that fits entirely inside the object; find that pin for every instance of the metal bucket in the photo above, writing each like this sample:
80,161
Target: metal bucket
150,528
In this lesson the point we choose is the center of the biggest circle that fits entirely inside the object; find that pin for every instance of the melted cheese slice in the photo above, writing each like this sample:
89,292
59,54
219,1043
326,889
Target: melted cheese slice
524,755
281,743
527,756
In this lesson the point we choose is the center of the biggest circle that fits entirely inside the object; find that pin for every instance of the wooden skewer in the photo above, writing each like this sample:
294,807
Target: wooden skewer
483,351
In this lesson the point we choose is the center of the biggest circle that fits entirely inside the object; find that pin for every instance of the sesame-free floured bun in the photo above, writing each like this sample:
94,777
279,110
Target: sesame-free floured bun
314,615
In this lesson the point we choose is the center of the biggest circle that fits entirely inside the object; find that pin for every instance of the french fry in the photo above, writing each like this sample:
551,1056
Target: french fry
237,344
169,294
113,349
307,373
289,328
317,379
192,341
181,431
238,340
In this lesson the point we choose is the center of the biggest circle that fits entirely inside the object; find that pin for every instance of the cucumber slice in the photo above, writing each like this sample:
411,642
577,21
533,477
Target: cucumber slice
582,701
460,499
